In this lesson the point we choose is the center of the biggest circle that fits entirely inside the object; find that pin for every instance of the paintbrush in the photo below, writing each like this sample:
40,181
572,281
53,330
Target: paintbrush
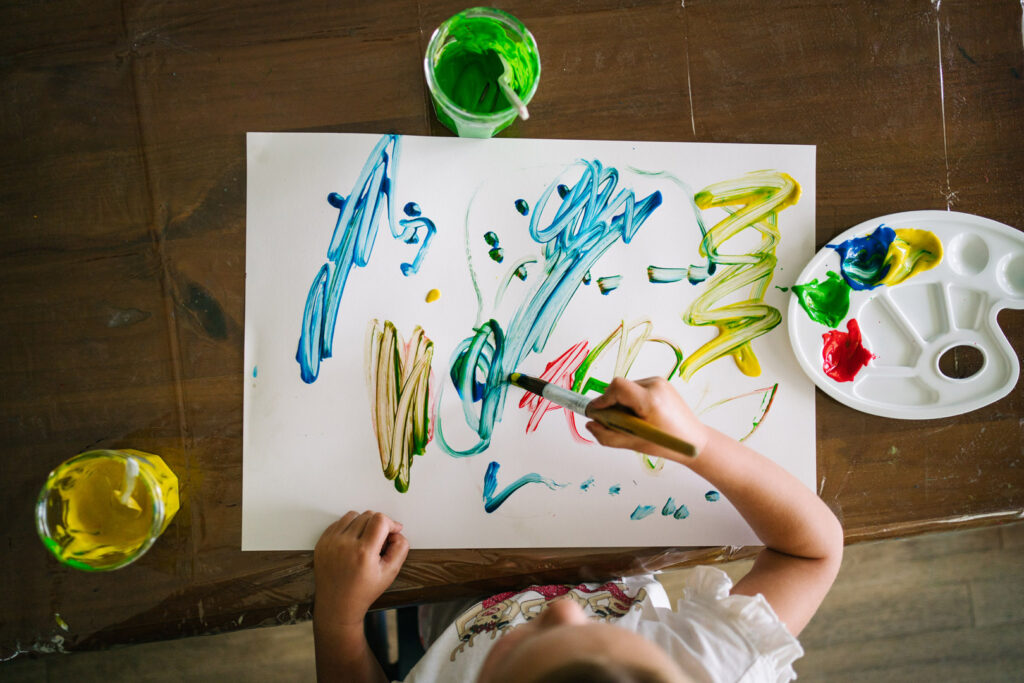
612,418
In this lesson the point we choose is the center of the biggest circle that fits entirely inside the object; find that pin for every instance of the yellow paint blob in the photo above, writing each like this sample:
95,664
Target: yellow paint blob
746,361
433,295
89,521
911,252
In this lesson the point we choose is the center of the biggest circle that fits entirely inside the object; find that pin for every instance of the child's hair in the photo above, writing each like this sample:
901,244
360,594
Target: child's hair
590,671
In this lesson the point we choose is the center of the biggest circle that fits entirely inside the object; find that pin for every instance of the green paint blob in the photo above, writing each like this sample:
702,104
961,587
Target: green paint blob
522,206
491,238
497,254
521,272
826,303
470,62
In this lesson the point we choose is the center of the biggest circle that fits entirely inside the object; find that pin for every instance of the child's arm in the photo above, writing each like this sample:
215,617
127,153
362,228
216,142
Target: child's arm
355,560
803,539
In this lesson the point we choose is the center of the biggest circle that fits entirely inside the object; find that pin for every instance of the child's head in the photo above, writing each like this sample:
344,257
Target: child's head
562,644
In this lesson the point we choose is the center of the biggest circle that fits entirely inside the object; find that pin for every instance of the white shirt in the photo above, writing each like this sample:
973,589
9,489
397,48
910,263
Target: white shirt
713,636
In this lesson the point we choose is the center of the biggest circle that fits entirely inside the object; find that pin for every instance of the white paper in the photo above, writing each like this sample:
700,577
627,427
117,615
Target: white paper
310,452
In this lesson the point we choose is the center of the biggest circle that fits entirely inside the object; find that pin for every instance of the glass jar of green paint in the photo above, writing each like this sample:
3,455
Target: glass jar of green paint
467,57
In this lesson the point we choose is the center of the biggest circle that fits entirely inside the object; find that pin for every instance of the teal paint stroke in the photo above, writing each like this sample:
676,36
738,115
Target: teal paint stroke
493,501
642,511
592,215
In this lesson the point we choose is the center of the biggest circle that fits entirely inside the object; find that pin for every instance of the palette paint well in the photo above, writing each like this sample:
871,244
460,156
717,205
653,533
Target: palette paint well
909,326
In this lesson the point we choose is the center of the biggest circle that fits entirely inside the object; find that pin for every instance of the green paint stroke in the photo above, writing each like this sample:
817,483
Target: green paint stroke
609,283
398,377
826,302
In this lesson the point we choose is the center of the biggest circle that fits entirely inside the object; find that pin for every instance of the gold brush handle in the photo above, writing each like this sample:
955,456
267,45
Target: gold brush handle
631,424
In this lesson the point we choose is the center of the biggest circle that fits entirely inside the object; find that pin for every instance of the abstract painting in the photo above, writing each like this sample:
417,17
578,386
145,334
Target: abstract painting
393,283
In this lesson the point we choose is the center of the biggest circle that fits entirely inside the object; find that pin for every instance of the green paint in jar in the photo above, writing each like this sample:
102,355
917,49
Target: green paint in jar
466,58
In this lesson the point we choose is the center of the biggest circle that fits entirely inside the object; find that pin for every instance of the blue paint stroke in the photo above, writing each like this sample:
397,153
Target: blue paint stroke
863,258
609,284
585,486
642,511
351,245
493,502
614,490
591,217
712,496
681,512
669,507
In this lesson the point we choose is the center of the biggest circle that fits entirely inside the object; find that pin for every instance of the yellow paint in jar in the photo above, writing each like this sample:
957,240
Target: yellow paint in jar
104,509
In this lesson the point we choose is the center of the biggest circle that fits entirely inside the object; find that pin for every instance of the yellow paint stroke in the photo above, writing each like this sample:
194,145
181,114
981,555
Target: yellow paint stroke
760,197
433,295
630,341
398,377
911,252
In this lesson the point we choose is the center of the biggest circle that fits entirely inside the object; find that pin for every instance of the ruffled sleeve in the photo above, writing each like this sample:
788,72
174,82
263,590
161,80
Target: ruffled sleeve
773,647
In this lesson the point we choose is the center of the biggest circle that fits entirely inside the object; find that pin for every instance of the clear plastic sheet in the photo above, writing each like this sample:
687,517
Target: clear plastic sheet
123,250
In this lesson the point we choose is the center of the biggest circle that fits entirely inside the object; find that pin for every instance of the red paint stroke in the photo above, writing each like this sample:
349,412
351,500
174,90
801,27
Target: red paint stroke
558,372
844,353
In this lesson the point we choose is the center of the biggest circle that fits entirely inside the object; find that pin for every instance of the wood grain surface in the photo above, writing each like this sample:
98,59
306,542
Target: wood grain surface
122,250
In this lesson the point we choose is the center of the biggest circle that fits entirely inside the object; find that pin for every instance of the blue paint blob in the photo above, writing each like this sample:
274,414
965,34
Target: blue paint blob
614,490
586,278
412,209
351,246
522,207
254,370
669,507
563,190
712,496
585,486
492,502
642,511
862,261
681,512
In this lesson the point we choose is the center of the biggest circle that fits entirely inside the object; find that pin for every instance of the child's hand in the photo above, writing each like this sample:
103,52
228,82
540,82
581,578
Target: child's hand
354,562
656,401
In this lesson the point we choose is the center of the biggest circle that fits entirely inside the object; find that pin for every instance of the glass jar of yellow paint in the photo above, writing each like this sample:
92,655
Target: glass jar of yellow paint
104,509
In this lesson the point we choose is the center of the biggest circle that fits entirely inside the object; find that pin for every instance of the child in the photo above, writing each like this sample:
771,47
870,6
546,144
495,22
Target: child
620,631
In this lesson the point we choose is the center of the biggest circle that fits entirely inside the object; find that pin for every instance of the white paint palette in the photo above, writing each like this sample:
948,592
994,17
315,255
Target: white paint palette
909,326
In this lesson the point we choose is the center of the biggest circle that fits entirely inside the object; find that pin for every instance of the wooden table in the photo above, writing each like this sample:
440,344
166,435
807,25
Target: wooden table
122,252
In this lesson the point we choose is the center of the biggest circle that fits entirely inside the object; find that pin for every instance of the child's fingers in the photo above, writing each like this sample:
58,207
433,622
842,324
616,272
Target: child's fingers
610,437
395,552
358,525
377,529
622,391
342,523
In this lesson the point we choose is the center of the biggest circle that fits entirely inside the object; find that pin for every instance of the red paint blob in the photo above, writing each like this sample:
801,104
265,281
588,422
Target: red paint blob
843,353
